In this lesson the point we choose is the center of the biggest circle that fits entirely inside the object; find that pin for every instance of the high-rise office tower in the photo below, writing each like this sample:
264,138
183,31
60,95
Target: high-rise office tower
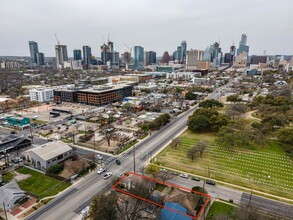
243,45
33,46
61,55
165,58
193,57
146,58
87,56
152,57
184,49
40,58
208,54
138,57
76,54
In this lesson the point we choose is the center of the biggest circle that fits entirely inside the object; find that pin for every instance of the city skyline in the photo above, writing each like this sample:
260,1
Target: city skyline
153,28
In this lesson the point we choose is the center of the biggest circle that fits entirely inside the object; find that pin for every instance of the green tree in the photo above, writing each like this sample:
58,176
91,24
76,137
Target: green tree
190,96
56,168
176,143
234,98
206,120
103,207
285,135
210,103
152,170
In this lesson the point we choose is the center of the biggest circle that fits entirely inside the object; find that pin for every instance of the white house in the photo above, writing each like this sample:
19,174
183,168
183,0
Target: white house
10,193
44,156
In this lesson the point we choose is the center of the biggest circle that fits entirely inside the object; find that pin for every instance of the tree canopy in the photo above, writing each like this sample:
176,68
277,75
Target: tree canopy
206,120
210,103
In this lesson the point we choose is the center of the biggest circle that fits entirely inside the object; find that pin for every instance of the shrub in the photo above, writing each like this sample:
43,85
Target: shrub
56,168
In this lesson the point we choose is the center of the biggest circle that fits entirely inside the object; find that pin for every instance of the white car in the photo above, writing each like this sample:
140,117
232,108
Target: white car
101,170
99,157
107,175
163,171
184,176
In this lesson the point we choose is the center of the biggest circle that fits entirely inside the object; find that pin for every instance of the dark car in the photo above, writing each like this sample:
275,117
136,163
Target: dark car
195,178
118,162
210,182
13,132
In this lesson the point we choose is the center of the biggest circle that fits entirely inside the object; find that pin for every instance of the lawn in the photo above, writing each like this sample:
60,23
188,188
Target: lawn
219,208
38,122
39,184
267,168
7,177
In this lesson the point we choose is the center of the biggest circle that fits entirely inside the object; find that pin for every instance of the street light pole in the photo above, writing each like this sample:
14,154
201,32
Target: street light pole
134,158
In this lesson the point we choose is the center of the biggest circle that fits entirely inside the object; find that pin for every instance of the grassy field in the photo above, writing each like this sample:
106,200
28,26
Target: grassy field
266,169
39,184
219,208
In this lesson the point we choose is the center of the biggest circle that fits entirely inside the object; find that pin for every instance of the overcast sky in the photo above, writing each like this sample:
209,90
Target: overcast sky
158,25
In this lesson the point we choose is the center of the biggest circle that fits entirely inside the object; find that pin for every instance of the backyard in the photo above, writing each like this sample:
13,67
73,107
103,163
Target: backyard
39,184
266,169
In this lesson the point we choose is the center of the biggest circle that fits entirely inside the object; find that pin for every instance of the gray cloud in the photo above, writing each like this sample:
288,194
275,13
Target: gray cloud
155,25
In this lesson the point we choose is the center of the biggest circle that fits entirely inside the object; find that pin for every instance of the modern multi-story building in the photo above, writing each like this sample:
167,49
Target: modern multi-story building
87,56
138,57
258,59
152,57
165,58
184,50
33,46
40,58
77,54
146,58
61,55
41,95
243,45
97,95
192,58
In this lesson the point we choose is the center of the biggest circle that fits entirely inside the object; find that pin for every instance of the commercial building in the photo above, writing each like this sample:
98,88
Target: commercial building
152,57
61,55
87,56
180,53
77,54
18,122
41,95
10,65
96,95
165,58
258,59
193,57
40,58
44,156
138,58
13,142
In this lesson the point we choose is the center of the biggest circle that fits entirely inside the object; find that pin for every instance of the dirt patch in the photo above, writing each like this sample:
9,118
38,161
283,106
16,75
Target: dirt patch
18,176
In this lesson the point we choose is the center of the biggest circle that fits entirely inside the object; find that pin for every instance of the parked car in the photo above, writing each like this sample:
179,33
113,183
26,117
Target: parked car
184,176
13,132
101,170
99,157
163,171
210,182
107,175
174,173
118,162
195,178
2,156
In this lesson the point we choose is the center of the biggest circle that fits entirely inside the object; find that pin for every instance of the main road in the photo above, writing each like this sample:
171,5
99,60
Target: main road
69,203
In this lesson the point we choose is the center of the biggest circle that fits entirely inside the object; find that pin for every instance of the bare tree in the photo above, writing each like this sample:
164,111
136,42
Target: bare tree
201,146
165,176
191,153
176,143
109,134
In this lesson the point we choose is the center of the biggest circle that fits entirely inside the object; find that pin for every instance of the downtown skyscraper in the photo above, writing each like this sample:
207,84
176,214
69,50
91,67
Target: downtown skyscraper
243,45
87,56
138,58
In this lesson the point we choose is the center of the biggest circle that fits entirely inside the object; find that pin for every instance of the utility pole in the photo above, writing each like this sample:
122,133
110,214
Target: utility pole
5,211
134,158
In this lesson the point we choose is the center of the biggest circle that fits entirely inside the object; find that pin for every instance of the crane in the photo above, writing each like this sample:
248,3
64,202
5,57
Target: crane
129,48
57,39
